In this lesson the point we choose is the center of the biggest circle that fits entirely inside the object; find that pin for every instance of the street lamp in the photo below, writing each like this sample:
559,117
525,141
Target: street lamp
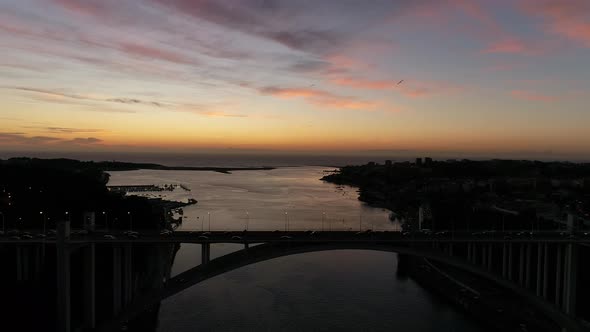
360,222
44,221
286,222
130,220
323,218
3,223
106,220
247,220
209,216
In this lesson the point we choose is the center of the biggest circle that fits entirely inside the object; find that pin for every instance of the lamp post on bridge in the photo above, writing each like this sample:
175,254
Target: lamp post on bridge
130,220
106,220
286,221
247,220
209,215
323,217
44,221
360,223
3,223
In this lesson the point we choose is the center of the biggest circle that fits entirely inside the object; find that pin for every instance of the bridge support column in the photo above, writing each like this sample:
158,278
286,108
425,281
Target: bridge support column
558,276
572,280
89,286
521,264
510,265
490,257
205,253
545,269
63,282
26,263
116,280
504,261
19,263
528,275
38,262
539,272
127,274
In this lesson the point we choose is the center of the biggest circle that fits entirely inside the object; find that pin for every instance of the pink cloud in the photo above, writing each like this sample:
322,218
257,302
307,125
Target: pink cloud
567,18
513,46
414,89
92,8
155,53
319,97
533,96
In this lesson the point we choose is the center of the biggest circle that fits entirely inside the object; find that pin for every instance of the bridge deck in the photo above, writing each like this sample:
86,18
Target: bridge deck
300,237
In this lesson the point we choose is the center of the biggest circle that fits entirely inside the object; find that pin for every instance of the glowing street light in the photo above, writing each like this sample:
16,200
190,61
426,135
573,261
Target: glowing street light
286,218
44,221
106,220
3,223
130,220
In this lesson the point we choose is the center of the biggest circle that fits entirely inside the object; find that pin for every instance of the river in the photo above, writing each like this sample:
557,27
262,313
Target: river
347,290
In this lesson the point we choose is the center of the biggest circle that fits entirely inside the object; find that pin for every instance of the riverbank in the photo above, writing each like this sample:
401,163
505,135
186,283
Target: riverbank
497,308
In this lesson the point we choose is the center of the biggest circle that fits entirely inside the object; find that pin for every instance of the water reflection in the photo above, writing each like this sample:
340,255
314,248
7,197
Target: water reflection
259,199
347,290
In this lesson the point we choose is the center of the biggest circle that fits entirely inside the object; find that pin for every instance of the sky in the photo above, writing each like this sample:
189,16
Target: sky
472,76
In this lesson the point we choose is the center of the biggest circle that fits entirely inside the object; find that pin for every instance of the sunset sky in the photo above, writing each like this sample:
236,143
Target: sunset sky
487,76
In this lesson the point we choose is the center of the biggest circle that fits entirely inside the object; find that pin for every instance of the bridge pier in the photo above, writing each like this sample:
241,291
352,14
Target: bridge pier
510,264
504,261
38,262
205,253
558,276
63,279
116,280
19,263
127,274
539,266
545,270
528,272
490,257
521,264
572,279
90,286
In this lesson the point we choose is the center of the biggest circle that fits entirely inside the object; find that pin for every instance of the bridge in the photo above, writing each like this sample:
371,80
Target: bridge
541,268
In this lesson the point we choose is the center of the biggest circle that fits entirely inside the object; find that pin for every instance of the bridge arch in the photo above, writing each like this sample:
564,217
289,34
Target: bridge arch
270,251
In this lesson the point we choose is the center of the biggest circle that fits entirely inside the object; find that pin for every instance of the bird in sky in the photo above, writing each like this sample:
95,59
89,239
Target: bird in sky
400,82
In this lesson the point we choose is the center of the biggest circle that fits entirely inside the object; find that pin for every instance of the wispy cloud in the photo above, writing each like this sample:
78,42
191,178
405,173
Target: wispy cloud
409,88
87,140
511,46
63,97
65,130
533,96
567,18
24,139
319,97
152,52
